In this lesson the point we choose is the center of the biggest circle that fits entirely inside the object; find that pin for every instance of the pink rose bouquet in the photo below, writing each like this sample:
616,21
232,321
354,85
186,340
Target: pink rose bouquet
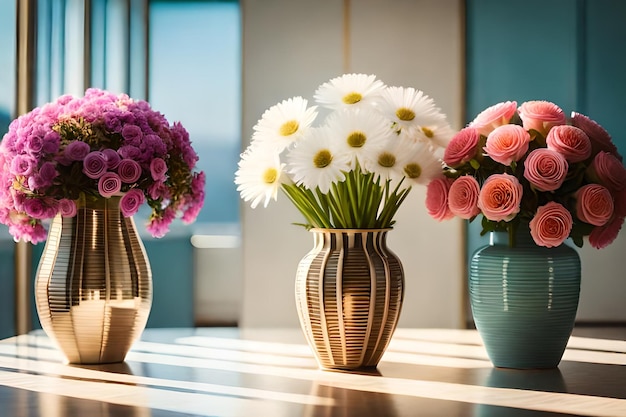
563,178
56,156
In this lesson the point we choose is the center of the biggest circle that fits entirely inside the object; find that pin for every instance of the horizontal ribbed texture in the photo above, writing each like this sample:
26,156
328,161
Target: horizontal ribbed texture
93,288
349,292
524,301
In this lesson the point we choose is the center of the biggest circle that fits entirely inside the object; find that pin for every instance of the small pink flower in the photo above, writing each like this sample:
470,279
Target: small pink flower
545,169
608,170
462,147
131,202
51,142
594,204
507,143
500,197
94,165
109,184
129,171
494,116
603,236
48,172
22,165
158,226
600,138
67,207
569,141
76,151
437,198
35,208
541,116
551,225
132,134
463,197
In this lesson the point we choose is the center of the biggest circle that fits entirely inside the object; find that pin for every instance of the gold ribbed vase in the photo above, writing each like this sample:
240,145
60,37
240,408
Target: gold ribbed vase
349,293
93,287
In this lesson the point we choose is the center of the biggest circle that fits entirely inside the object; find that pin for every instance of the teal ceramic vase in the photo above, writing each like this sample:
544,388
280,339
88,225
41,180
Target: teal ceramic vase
524,300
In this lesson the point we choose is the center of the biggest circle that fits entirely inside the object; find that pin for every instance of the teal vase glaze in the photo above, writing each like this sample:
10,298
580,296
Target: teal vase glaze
524,300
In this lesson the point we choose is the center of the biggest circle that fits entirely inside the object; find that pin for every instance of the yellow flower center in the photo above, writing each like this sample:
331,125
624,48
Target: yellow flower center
352,98
270,175
413,170
405,114
428,132
289,128
357,139
386,160
322,159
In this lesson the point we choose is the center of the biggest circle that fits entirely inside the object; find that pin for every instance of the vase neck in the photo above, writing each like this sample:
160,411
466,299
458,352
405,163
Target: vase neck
520,238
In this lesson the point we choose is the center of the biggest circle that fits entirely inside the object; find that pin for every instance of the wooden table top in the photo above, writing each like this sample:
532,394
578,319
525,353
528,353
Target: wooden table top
271,372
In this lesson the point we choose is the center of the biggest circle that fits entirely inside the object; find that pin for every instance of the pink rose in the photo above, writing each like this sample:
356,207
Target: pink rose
94,165
494,116
112,157
569,141
158,169
437,198
551,225
594,204
500,197
462,147
603,236
109,184
67,207
545,169
608,170
131,201
129,171
463,197
600,138
507,143
541,116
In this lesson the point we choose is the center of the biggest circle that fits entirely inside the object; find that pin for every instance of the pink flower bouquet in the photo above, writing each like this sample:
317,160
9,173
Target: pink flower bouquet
97,146
530,164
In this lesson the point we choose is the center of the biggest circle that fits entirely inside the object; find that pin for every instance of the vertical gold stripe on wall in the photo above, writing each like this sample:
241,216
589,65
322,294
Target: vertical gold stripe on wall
26,37
346,36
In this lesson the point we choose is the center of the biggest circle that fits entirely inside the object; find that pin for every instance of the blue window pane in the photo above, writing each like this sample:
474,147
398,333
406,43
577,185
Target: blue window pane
195,78
7,63
7,112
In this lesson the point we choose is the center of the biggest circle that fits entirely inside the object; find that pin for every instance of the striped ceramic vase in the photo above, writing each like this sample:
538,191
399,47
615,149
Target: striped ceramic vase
349,293
93,288
524,300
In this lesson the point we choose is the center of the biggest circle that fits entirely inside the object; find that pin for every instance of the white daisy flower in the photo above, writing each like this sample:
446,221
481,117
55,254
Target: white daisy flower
360,133
436,136
408,107
349,90
317,162
285,123
419,165
258,177
387,164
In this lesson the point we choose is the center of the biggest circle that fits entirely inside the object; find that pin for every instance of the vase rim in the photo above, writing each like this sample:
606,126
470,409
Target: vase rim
355,230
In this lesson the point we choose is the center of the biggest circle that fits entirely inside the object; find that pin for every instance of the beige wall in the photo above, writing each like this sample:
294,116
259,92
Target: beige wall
292,46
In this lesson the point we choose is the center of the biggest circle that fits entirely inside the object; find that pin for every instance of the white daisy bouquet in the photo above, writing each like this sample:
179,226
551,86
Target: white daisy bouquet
355,169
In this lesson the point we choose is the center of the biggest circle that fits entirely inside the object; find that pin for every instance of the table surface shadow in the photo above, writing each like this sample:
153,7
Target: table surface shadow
272,372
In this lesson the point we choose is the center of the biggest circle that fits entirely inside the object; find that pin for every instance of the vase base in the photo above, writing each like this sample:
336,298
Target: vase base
362,370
